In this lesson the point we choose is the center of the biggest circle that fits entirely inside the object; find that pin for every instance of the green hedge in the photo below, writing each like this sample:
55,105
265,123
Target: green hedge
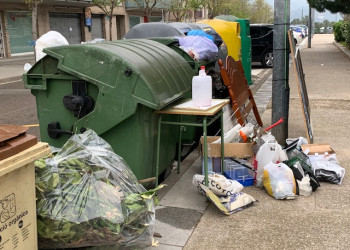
346,32
338,34
342,31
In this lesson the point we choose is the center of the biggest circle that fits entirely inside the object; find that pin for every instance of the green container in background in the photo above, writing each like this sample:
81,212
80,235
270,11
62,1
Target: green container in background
246,49
114,89
246,43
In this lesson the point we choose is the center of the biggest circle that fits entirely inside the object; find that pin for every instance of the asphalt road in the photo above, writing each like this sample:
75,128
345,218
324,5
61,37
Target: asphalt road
17,106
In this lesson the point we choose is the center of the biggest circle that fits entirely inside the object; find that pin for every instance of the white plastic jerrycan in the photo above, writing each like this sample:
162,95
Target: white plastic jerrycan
201,89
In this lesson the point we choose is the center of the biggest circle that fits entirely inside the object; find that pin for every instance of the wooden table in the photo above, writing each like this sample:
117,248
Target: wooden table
213,113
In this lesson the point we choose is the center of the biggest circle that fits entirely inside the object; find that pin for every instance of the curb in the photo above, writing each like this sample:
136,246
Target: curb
342,48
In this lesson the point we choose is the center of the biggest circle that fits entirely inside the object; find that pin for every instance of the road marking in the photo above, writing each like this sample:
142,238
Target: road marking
10,82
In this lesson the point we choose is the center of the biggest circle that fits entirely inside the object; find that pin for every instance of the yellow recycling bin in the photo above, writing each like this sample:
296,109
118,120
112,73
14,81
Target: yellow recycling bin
230,33
17,199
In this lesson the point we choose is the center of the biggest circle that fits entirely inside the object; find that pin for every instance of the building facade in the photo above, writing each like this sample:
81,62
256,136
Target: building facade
66,17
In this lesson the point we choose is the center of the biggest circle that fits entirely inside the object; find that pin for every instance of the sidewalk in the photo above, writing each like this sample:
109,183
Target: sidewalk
12,69
320,221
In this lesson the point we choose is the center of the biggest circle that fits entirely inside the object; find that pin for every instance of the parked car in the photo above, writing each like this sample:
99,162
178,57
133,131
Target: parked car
297,37
298,29
262,44
304,27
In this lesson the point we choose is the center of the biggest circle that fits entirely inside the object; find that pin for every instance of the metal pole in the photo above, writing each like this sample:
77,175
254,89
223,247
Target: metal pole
309,28
205,150
280,81
158,148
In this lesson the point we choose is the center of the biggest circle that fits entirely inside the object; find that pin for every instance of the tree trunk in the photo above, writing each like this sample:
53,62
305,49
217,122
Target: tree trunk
34,26
110,28
34,22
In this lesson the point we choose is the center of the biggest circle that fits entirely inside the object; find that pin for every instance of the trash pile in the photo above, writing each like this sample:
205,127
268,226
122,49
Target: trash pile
255,158
88,196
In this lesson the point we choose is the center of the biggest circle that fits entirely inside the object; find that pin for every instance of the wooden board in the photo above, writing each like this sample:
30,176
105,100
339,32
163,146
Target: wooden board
304,99
15,145
190,106
212,111
25,157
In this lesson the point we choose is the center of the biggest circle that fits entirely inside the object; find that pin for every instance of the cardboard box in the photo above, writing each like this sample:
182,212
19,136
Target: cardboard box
317,149
237,150
18,228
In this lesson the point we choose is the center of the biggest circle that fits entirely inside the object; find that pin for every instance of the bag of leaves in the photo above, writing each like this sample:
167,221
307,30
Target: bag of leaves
88,196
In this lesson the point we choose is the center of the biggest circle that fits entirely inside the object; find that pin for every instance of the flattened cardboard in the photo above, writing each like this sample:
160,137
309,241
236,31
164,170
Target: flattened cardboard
16,145
320,149
238,150
10,131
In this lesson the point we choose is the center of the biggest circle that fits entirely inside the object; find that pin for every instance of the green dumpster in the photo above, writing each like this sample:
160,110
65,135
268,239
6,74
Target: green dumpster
112,88
246,43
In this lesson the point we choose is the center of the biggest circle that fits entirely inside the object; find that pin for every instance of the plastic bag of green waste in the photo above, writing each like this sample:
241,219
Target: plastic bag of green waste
88,196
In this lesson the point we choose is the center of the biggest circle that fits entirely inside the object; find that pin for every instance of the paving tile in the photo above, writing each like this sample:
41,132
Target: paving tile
175,225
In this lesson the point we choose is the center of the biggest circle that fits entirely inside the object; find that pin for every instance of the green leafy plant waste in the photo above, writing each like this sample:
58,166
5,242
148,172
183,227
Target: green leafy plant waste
84,201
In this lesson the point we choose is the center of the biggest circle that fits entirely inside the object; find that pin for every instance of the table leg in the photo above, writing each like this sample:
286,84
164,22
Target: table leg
205,150
222,141
179,146
158,148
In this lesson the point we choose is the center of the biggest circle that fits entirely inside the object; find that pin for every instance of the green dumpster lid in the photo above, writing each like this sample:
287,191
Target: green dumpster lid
147,71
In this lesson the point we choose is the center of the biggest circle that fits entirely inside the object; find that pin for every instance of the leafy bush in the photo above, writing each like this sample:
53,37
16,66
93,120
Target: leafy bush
346,31
337,29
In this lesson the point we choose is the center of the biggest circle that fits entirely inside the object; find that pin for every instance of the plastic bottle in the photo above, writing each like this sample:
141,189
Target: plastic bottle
201,89
246,131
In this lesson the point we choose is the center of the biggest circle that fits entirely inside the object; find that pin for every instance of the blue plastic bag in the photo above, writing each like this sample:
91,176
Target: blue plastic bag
200,33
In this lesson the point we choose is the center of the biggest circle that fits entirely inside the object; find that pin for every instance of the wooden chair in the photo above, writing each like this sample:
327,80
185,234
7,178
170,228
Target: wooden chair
242,99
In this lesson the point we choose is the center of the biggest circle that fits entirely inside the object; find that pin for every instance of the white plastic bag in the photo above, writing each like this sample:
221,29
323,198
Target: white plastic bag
27,67
305,188
269,152
268,137
49,39
218,184
327,168
202,47
278,180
